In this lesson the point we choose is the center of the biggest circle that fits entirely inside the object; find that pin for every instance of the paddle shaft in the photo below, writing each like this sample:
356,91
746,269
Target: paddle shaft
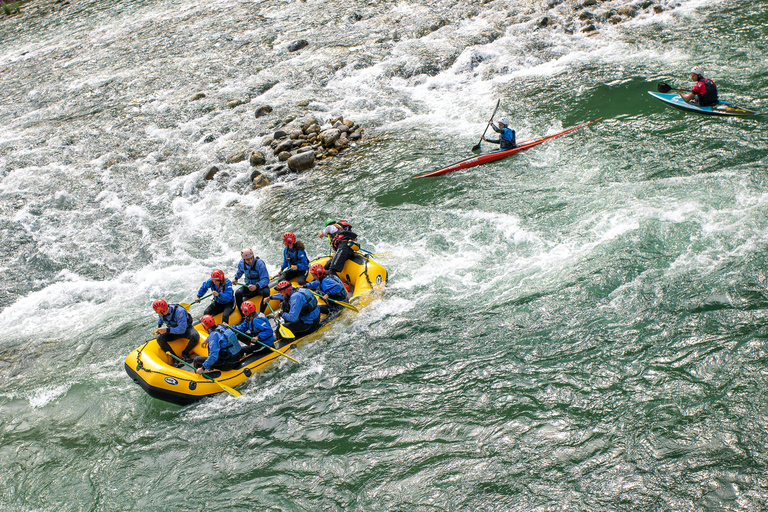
222,386
477,146
339,302
264,345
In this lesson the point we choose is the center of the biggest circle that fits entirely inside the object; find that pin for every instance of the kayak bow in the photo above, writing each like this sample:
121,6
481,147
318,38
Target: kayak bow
493,156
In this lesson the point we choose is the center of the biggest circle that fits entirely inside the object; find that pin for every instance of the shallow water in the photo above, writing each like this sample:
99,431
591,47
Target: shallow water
579,327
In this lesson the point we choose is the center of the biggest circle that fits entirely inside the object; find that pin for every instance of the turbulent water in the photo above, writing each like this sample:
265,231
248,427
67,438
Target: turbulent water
579,327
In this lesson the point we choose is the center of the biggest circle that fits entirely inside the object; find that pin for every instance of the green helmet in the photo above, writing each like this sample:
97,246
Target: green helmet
329,222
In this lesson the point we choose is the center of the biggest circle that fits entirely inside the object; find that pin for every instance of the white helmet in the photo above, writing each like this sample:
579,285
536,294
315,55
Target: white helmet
504,121
697,71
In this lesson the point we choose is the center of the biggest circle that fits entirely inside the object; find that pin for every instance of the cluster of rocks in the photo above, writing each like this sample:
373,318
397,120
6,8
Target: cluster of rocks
300,146
591,13
295,146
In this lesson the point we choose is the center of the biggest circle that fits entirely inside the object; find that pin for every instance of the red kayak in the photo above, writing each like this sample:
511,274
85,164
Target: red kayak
498,155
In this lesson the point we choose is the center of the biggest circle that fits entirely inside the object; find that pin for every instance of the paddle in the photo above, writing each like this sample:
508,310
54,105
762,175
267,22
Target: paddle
340,303
187,305
225,388
264,345
476,148
665,88
385,254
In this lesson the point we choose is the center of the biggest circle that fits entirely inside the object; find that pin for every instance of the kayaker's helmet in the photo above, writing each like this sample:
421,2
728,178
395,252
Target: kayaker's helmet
208,322
282,285
248,308
160,306
329,222
504,121
217,274
289,238
317,269
697,71
246,253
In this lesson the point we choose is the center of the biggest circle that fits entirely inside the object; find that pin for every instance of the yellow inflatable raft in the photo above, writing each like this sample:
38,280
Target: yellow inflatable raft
154,371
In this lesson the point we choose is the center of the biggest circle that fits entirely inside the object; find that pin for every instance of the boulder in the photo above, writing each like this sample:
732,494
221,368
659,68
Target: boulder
257,158
198,96
236,158
262,110
297,45
284,145
329,137
284,155
302,161
211,173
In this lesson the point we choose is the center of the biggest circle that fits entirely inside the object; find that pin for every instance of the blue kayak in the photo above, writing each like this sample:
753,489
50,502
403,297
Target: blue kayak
721,109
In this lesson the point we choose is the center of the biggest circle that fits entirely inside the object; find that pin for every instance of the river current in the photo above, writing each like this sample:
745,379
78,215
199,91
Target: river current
579,327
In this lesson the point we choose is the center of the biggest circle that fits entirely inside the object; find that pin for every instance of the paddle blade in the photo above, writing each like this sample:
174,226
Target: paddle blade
185,305
663,87
346,305
476,148
228,389
286,332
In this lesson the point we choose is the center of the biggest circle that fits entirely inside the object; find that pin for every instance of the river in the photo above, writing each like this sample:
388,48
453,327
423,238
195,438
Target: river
579,327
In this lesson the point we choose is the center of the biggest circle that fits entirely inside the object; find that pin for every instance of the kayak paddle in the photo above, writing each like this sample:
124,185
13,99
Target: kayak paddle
187,305
476,148
665,88
340,303
263,345
225,388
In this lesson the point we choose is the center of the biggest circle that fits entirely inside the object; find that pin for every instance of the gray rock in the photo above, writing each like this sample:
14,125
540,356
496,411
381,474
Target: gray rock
235,103
297,45
285,145
257,158
211,173
284,155
197,96
263,110
279,134
329,137
302,161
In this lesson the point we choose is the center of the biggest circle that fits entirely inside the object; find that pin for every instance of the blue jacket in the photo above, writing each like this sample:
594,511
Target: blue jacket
258,327
226,295
256,274
331,285
177,319
507,138
296,301
295,257
222,345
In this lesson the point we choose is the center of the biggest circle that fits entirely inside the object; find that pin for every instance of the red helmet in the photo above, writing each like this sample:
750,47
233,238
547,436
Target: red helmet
217,274
246,253
159,305
317,269
208,322
282,285
247,308
289,238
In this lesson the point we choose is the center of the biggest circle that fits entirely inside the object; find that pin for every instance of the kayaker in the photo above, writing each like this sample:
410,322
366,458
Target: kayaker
223,296
255,325
507,138
178,323
704,90
223,348
299,308
256,277
344,242
295,261
328,286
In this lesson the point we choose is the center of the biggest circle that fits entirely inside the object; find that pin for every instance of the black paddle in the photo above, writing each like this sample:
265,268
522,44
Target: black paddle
476,148
665,88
